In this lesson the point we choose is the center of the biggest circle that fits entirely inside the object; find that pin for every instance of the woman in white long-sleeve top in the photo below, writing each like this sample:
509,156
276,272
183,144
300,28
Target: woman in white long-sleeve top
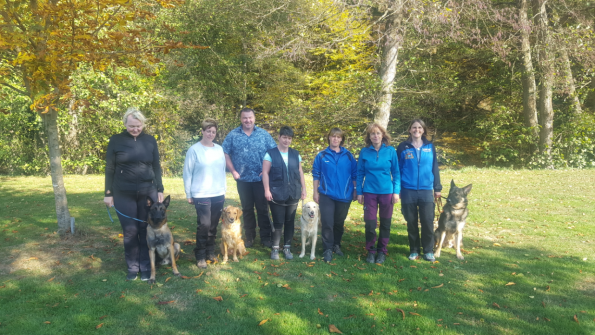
205,186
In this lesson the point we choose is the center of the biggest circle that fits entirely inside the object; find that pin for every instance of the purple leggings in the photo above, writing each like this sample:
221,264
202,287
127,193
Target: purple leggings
372,203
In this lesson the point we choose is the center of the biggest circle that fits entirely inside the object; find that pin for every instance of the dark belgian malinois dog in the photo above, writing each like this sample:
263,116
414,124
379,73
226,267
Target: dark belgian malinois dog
159,238
452,219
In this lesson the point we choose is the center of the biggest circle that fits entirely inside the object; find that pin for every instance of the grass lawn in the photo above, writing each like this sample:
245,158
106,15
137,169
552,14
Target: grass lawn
528,269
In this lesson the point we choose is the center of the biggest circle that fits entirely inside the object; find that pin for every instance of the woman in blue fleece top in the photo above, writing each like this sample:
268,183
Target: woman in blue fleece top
335,173
420,184
378,187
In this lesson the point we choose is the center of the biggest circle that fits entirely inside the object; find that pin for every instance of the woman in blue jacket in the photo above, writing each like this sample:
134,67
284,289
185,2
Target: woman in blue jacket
420,184
378,187
335,173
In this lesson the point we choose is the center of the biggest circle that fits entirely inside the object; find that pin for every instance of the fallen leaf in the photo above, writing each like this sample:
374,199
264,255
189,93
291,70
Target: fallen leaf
456,324
497,245
168,278
400,280
31,258
547,288
228,311
333,329
319,312
165,302
101,318
263,322
185,277
49,280
99,326
496,305
546,319
219,298
199,275
412,313
439,286
47,322
413,266
543,304
510,283
243,295
576,319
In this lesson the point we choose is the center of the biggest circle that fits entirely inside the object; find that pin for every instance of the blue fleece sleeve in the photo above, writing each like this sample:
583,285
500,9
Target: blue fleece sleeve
353,168
400,156
395,172
361,169
316,167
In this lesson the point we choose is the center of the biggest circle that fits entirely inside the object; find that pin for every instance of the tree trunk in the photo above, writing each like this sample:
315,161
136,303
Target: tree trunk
546,66
569,81
388,66
62,212
528,76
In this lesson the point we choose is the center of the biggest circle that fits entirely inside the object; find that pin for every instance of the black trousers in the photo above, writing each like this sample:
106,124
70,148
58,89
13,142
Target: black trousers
208,213
419,206
332,217
283,219
134,204
252,195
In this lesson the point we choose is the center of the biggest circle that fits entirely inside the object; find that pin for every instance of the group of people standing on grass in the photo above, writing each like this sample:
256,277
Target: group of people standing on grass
269,175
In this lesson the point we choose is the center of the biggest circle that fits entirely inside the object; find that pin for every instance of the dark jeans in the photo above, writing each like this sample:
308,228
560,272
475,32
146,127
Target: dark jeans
134,204
374,203
418,205
208,213
252,195
332,217
283,218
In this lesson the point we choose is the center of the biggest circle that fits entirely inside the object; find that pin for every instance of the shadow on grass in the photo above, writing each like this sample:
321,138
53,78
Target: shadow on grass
78,284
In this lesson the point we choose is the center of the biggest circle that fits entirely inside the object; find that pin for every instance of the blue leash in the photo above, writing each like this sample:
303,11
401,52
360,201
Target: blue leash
126,216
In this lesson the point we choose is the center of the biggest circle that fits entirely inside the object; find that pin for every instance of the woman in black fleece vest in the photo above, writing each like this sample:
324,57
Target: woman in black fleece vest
133,172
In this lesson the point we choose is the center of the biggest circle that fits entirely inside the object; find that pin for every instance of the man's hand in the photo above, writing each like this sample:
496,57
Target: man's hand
235,175
316,197
360,199
190,201
395,198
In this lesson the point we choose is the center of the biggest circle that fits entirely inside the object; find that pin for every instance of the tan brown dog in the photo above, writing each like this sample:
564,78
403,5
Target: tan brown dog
159,238
231,234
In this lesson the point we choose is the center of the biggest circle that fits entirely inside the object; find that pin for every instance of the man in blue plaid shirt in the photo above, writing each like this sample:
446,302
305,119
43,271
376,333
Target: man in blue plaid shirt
244,148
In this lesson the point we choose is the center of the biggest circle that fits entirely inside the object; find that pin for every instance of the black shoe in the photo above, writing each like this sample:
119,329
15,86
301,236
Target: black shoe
145,275
212,258
201,263
327,255
131,276
248,244
381,258
267,244
275,254
371,258
287,253
337,250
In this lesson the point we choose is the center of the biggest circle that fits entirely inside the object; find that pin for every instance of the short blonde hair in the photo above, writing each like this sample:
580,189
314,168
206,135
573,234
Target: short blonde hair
136,114
371,127
208,123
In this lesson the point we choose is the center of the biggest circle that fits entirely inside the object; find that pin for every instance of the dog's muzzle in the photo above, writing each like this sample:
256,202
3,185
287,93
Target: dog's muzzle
311,215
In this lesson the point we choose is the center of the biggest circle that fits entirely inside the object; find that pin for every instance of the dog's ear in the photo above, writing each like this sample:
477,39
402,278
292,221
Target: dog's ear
467,189
239,214
452,183
166,202
150,201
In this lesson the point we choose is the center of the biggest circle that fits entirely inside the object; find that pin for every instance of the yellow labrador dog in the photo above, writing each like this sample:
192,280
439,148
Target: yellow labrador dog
309,223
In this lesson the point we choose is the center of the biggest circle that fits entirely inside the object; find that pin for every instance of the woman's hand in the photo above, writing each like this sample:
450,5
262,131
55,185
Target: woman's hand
360,199
190,201
395,198
304,194
108,201
159,196
268,195
437,195
316,197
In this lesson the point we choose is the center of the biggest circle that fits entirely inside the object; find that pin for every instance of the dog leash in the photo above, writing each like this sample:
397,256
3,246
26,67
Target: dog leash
270,217
438,202
124,215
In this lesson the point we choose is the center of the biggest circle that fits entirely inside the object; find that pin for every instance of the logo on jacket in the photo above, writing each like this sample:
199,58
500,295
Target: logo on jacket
426,150
409,155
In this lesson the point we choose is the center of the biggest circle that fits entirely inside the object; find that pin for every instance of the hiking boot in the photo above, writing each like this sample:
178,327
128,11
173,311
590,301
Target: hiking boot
327,255
249,244
371,258
429,257
413,256
287,253
267,244
381,258
131,276
201,263
337,250
275,253
145,275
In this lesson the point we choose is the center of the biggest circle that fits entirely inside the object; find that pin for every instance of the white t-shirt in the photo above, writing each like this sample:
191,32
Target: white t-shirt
204,171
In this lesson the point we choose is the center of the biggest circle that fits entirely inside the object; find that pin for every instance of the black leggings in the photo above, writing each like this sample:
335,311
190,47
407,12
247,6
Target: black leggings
332,217
208,213
283,218
134,204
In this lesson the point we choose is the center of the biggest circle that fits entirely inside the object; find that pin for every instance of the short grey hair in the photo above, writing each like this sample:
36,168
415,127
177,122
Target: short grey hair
136,114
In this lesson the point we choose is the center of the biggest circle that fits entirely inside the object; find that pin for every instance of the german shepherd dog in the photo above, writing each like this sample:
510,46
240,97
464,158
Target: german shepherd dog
159,238
452,219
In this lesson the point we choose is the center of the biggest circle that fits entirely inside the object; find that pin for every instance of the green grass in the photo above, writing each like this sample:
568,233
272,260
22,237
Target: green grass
532,228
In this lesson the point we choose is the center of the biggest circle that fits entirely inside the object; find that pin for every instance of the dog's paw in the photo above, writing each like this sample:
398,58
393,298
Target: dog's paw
151,281
312,257
236,260
437,255
178,274
302,255
460,257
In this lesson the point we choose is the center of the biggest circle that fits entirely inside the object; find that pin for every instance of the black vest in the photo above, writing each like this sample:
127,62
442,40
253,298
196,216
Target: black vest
283,187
